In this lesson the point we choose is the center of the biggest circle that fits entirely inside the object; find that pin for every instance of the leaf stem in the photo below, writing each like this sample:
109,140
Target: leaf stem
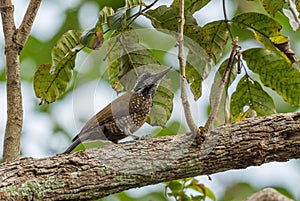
222,84
180,41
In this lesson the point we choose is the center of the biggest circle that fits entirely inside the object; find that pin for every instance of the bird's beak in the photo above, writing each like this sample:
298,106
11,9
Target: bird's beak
160,75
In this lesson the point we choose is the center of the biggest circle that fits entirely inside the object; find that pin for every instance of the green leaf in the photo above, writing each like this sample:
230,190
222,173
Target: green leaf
267,31
195,79
162,104
103,15
276,73
272,6
198,66
164,17
212,38
267,42
249,95
259,23
238,191
283,46
223,114
172,128
210,194
114,20
217,39
175,186
64,53
93,38
127,59
91,144
118,20
51,80
49,87
191,5
133,3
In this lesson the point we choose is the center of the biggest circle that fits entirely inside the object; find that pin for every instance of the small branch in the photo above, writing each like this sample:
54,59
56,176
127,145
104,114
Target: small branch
294,12
180,41
223,82
25,27
98,172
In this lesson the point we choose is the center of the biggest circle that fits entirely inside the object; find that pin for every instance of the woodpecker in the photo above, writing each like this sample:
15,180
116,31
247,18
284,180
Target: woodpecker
123,116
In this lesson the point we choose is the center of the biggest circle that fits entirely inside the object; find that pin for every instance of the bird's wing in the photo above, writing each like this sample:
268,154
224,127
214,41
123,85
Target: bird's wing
118,108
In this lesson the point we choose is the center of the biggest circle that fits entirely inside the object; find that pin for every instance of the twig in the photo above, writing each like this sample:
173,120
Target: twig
141,11
226,19
294,12
193,127
223,82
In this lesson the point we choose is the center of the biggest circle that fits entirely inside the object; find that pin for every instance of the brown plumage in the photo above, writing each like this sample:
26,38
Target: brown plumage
124,115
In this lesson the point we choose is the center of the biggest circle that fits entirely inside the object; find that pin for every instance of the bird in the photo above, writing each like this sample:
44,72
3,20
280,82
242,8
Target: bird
123,116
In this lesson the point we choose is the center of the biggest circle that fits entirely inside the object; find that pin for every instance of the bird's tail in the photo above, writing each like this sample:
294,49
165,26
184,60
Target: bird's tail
72,146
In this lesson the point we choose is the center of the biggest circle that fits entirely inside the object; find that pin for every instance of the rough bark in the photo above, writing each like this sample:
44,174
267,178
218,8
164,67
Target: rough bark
95,173
14,42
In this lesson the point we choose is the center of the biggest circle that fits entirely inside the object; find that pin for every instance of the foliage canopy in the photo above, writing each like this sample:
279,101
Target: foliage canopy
274,62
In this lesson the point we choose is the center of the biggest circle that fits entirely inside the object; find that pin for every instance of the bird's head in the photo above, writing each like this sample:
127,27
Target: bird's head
147,83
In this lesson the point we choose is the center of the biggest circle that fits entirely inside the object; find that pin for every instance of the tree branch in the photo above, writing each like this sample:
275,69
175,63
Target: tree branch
25,27
186,106
14,42
95,173
222,84
11,147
